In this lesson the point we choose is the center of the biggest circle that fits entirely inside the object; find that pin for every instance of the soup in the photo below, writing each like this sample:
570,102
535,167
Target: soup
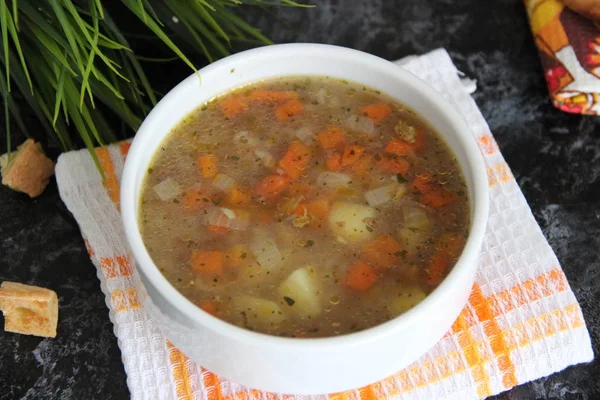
304,207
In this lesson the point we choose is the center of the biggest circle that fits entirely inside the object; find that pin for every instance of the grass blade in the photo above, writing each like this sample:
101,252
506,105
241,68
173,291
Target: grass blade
4,30
12,29
150,23
60,87
15,12
68,31
210,20
6,119
49,45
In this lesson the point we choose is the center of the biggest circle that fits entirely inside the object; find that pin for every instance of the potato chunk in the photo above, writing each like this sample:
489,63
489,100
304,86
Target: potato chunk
405,299
300,292
350,221
258,313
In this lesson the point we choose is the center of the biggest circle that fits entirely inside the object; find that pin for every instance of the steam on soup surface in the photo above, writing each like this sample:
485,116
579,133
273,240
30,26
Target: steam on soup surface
304,207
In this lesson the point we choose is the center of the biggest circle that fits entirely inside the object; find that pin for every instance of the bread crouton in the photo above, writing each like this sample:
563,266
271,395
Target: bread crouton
27,169
30,310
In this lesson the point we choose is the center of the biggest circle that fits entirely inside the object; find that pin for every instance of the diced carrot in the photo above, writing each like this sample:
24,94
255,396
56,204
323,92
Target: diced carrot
208,166
394,165
195,199
378,112
272,185
287,110
209,306
360,277
400,147
267,96
432,193
238,197
334,162
236,255
422,182
295,160
438,266
362,166
299,189
438,197
352,154
217,230
233,105
331,138
420,142
319,209
208,263
299,210
381,253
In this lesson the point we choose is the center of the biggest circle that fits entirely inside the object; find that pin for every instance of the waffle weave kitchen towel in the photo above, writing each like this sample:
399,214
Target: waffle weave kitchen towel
521,322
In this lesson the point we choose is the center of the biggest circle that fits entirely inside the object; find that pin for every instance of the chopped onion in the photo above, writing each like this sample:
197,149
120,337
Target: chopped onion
322,96
366,125
223,182
241,222
265,251
333,180
361,124
229,213
243,137
415,217
266,157
217,217
380,195
167,189
305,134
227,218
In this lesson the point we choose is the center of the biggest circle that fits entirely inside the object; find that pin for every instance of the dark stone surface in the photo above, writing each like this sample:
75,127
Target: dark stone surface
554,156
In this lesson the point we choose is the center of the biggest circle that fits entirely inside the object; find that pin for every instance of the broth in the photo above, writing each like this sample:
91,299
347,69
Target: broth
304,207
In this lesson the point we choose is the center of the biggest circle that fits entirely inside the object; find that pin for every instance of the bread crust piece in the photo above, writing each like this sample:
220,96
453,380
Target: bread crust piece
30,310
28,169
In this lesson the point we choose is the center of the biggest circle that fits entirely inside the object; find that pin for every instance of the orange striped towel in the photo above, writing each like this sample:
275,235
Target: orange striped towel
522,320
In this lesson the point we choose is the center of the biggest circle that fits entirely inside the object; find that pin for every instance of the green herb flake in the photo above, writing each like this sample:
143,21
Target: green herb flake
290,302
309,243
400,178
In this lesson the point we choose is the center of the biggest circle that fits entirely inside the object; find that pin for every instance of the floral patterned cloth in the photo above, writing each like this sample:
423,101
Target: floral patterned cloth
569,47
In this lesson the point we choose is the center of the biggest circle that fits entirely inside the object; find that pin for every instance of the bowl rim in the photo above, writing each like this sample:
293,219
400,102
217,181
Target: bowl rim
479,214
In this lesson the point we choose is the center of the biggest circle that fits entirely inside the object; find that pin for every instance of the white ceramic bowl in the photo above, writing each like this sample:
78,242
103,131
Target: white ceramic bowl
304,366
